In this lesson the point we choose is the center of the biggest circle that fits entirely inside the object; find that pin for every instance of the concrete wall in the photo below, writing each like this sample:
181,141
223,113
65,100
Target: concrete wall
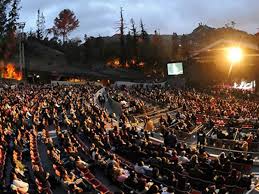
129,84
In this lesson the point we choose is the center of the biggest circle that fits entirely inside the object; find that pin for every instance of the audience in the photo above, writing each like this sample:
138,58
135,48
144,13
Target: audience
90,138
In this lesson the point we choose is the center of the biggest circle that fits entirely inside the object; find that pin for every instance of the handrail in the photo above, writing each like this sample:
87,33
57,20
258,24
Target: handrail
205,146
230,150
225,119
209,182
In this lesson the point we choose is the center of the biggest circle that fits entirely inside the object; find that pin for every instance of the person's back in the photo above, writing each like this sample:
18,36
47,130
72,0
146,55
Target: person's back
171,140
154,189
139,168
196,172
182,158
41,176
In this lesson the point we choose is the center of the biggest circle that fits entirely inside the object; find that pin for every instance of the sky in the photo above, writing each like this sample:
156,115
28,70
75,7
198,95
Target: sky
100,17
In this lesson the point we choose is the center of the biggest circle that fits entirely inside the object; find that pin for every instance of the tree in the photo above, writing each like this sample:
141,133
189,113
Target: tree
144,44
128,45
100,47
174,46
156,45
144,34
10,29
3,16
65,23
233,24
52,31
13,17
122,41
135,38
4,4
85,38
40,25
184,47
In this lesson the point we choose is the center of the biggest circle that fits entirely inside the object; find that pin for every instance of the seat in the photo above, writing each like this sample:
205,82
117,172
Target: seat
102,189
89,176
95,182
195,192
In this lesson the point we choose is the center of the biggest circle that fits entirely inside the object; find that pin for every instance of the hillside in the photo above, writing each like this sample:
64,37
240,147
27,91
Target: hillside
91,56
43,58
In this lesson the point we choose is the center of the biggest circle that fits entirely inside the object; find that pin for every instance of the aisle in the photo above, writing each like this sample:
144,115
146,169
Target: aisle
47,165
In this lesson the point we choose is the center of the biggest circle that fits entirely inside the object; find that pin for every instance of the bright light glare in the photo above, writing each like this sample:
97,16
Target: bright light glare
235,54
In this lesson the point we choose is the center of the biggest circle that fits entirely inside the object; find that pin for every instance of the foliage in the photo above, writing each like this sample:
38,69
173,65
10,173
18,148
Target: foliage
65,23
175,46
13,17
8,26
135,39
122,40
40,25
3,16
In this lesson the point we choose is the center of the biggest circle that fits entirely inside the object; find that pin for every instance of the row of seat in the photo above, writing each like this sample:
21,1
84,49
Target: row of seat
125,163
2,162
45,136
130,165
36,161
86,174
91,179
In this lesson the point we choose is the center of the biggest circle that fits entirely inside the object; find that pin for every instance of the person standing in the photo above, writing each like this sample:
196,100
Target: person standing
201,136
149,125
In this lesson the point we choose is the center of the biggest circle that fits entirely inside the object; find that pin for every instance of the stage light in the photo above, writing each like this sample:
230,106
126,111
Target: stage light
234,54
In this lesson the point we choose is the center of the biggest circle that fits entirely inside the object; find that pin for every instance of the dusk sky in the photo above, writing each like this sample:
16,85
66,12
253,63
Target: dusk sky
181,16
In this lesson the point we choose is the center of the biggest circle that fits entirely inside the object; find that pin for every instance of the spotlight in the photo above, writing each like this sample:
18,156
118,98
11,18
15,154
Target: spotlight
234,54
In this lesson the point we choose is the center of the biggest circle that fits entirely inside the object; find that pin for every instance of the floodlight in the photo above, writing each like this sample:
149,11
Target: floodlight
234,54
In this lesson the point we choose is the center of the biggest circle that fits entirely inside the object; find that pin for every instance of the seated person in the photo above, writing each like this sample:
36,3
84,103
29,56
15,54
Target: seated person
19,185
142,185
156,174
154,189
141,168
132,180
82,165
233,178
245,181
183,185
182,158
111,160
249,159
42,176
75,183
196,172
100,160
169,190
171,180
210,190
120,174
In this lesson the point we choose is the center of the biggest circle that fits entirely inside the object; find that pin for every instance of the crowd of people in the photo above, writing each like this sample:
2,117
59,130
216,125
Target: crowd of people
226,111
88,139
